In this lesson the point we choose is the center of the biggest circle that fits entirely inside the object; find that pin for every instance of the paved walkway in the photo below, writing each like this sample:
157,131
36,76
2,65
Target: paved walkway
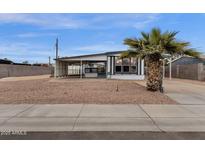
90,117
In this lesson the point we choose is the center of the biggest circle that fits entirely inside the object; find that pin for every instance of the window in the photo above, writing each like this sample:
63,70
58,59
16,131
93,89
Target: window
118,69
94,70
118,61
126,61
126,69
90,70
101,69
133,61
126,65
87,70
133,69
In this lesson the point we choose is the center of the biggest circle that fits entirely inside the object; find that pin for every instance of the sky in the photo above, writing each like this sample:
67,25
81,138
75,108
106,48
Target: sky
31,37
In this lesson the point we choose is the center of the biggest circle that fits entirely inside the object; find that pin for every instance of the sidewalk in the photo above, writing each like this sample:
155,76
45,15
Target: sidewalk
91,117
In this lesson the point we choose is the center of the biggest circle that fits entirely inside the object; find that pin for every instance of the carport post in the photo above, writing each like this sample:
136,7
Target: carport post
81,69
163,67
170,68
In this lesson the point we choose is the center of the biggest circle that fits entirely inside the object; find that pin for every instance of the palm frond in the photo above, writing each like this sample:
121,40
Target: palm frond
128,54
131,42
145,36
158,43
192,52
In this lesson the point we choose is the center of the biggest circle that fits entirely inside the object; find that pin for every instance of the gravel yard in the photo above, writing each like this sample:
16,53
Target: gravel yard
98,91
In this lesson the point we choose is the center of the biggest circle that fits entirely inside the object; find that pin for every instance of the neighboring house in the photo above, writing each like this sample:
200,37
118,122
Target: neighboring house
5,61
41,64
102,65
187,67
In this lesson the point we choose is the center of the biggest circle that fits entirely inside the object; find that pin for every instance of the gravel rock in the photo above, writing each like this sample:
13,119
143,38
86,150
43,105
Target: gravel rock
97,91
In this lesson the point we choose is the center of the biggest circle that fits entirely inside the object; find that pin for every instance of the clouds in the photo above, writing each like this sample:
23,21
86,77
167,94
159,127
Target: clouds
97,48
80,21
118,20
20,51
48,21
147,21
31,36
35,34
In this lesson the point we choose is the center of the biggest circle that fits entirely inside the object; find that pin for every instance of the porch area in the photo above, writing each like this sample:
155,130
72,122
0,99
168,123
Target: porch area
125,68
80,69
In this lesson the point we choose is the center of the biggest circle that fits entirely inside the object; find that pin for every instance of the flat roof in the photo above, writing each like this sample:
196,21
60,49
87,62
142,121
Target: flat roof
87,55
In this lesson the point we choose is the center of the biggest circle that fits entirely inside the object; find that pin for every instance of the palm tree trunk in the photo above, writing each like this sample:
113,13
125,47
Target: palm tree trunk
154,80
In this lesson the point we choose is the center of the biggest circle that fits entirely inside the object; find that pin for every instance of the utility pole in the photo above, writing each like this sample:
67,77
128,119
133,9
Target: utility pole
49,60
57,48
56,62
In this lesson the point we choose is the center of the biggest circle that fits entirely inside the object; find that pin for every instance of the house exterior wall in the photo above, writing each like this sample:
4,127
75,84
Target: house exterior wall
127,77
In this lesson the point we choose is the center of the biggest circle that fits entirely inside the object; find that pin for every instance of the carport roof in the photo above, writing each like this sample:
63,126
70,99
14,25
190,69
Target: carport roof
188,60
97,54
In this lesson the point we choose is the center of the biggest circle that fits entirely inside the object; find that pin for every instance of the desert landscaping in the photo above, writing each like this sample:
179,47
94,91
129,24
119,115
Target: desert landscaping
43,90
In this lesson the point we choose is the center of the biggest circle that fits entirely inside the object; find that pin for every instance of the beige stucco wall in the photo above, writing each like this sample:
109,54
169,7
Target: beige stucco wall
7,70
188,71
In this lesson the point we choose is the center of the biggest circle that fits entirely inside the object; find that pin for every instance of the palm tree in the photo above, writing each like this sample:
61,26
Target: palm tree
153,46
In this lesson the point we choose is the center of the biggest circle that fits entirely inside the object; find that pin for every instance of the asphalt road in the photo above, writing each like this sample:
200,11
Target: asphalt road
107,135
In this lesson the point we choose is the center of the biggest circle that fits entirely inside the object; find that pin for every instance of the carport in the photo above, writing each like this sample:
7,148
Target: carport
81,66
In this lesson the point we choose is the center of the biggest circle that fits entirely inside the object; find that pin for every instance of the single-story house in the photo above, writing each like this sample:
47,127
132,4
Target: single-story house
101,65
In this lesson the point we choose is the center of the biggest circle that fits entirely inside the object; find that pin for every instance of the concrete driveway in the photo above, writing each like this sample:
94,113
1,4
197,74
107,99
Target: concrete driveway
184,91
